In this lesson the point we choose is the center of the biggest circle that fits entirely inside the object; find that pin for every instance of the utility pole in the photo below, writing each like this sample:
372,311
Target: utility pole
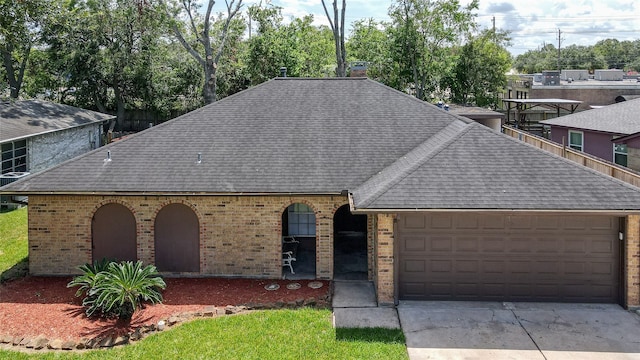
559,41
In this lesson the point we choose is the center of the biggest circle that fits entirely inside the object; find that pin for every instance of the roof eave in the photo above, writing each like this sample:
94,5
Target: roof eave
56,130
165,193
619,212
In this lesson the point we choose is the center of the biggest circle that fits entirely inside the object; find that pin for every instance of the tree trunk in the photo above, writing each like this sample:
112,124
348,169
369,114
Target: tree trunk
337,27
210,60
15,82
120,113
209,87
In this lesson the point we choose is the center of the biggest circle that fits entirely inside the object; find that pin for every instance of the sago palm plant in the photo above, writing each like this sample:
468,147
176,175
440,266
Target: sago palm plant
121,288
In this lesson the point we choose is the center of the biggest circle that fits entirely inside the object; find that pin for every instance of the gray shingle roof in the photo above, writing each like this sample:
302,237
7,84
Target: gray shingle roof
19,119
477,168
327,135
286,135
620,118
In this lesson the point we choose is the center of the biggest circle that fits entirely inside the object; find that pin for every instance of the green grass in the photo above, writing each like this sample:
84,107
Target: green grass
274,334
13,242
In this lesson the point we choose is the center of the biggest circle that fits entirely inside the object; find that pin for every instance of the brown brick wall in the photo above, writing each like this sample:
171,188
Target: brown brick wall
632,261
239,235
385,259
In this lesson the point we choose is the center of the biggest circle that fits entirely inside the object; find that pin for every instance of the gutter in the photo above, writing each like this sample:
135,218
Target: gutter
620,212
159,193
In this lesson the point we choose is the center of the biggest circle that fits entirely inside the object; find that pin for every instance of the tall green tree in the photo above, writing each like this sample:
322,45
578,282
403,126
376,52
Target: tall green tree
479,75
102,53
20,29
304,49
536,61
581,57
270,48
424,33
200,38
370,41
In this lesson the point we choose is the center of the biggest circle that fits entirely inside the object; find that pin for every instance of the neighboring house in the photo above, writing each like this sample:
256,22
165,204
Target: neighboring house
611,132
371,182
588,89
36,135
486,117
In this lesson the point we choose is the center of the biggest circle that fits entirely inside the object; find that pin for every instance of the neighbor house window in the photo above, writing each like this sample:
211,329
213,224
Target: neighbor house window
14,156
576,140
620,154
302,220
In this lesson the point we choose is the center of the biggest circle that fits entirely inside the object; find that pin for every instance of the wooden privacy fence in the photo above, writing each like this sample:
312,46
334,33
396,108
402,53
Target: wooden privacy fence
619,172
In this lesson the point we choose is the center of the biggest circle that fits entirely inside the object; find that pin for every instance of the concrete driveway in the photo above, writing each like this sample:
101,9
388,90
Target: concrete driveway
472,330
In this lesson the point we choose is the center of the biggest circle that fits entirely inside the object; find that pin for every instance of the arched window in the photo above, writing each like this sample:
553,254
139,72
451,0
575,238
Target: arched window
177,239
301,220
299,242
113,233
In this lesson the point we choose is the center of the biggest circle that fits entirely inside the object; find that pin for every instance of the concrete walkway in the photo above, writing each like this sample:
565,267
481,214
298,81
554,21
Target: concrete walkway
465,330
355,306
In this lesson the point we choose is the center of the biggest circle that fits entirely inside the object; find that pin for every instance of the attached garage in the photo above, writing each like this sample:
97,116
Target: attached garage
498,257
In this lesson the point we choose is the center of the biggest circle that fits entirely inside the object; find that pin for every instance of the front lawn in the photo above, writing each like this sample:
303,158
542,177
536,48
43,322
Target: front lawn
275,334
13,243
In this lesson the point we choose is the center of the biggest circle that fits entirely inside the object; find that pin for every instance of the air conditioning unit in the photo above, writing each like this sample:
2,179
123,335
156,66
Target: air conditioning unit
10,177
12,201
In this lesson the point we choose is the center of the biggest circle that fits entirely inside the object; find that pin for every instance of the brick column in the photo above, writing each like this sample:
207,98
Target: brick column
632,261
384,259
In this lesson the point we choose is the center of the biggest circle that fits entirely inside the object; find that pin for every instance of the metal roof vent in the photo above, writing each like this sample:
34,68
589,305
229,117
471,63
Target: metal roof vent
283,71
199,161
108,159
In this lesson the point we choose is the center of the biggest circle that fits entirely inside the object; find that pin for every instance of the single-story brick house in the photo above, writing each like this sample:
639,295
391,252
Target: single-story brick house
424,203
611,132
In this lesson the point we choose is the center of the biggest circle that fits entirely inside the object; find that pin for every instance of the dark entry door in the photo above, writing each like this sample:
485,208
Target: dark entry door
177,239
349,245
113,233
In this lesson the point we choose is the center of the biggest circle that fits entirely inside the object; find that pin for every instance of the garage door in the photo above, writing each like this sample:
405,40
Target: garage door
508,258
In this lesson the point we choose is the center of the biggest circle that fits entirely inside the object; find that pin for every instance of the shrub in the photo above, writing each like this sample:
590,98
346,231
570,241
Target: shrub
88,277
119,289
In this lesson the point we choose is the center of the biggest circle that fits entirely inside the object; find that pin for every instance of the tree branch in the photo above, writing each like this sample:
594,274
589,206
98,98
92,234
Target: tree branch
187,46
225,29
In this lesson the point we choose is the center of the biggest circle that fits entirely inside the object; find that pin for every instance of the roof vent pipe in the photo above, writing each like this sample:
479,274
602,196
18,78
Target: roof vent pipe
283,71
199,161
108,156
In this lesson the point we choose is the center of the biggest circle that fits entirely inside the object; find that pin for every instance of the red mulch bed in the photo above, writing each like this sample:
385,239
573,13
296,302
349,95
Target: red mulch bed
35,306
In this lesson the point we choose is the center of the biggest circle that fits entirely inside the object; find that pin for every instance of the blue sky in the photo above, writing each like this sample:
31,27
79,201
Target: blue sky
532,23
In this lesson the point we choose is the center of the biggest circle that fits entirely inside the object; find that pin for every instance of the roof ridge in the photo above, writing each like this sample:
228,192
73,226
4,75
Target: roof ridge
411,161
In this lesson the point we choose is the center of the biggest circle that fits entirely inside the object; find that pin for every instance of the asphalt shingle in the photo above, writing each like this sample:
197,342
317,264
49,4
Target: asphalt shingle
483,169
19,119
286,135
620,118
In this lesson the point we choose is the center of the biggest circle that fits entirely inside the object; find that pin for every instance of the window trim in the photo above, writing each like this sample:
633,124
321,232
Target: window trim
575,146
625,153
9,161
295,215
